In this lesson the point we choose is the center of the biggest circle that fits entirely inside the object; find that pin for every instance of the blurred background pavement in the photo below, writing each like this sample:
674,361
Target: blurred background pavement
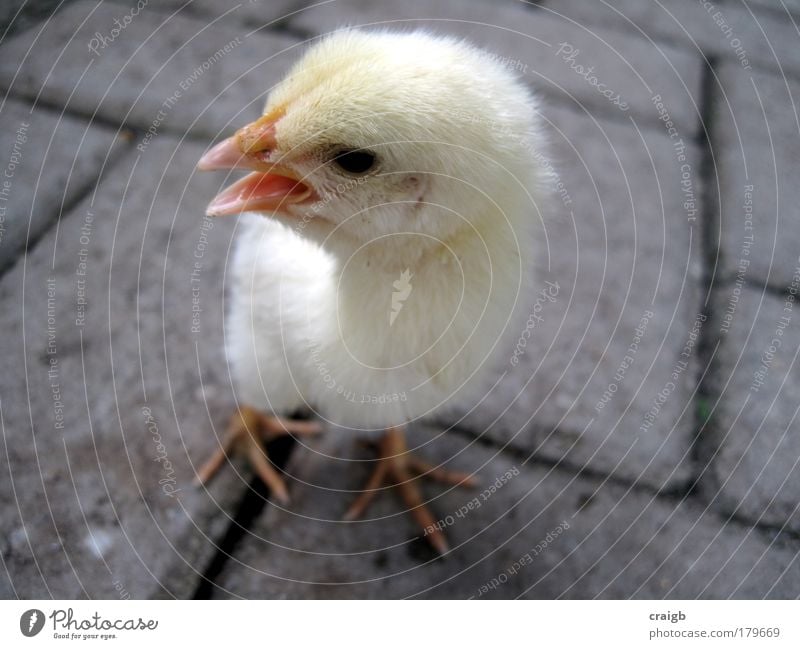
650,429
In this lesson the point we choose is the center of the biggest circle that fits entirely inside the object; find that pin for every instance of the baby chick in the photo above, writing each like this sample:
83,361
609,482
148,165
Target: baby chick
385,247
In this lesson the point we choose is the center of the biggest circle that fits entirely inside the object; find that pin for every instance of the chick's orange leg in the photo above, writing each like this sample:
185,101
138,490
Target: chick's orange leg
247,430
398,468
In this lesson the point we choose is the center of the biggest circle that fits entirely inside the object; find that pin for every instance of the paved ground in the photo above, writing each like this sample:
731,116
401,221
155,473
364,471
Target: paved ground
647,444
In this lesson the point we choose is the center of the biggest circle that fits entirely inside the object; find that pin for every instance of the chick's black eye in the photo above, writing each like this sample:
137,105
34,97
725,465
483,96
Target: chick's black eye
355,161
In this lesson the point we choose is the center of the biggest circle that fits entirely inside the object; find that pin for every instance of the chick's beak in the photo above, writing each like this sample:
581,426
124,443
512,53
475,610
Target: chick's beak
269,188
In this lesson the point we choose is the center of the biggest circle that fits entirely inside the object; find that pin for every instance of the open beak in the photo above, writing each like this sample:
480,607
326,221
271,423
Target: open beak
269,188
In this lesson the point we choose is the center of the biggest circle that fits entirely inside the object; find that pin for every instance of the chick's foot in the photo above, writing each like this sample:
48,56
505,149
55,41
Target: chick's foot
400,469
247,431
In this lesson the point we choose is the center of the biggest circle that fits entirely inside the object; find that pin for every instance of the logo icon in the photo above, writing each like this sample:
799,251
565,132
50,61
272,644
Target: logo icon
402,289
31,622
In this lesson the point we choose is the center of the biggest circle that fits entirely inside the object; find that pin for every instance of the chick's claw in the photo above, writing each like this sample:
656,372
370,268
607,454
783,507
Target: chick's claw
247,430
427,470
399,469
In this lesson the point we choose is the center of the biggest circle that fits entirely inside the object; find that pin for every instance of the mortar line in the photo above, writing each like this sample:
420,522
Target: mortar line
83,191
675,495
251,504
711,259
97,119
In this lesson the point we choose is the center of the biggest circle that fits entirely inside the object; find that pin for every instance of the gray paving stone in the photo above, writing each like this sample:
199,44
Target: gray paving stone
165,73
19,15
90,505
780,7
616,543
624,254
47,161
258,13
84,512
758,136
753,442
728,30
630,67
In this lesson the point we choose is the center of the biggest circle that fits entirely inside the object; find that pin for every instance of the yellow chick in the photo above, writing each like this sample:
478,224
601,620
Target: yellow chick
385,246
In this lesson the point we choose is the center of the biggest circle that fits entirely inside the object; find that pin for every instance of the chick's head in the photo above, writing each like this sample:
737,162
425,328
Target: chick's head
373,134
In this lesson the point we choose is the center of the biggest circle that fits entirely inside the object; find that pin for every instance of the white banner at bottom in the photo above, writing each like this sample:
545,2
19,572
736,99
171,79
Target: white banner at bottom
297,624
